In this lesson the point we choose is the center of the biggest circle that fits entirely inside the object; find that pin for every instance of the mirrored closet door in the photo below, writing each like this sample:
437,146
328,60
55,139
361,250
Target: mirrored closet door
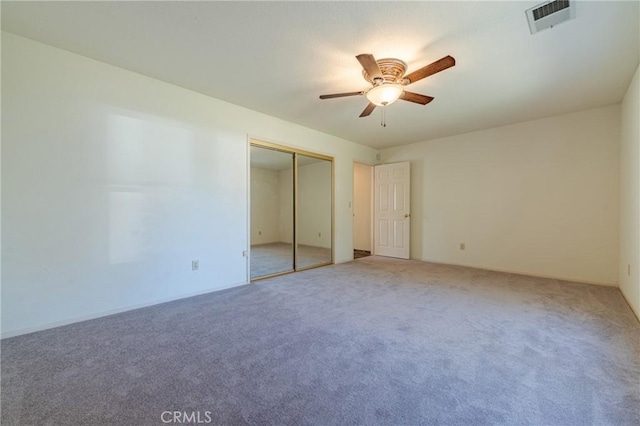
314,211
291,210
271,212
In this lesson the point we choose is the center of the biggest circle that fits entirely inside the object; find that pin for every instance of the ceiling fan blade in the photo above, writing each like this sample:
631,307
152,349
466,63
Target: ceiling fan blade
435,67
368,110
341,95
370,65
416,98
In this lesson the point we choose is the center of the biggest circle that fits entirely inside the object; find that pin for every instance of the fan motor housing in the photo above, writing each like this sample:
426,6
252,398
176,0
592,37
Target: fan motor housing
392,71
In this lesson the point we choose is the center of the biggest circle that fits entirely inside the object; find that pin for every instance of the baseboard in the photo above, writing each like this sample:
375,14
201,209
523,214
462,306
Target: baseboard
47,326
508,271
626,299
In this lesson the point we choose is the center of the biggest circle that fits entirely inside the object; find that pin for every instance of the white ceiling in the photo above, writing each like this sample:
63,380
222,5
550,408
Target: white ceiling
278,57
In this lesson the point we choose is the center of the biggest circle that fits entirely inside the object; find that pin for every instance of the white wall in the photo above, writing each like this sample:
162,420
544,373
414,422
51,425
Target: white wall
114,182
539,197
265,206
362,206
629,276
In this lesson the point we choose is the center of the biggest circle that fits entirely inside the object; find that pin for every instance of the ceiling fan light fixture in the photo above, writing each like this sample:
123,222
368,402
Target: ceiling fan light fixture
384,94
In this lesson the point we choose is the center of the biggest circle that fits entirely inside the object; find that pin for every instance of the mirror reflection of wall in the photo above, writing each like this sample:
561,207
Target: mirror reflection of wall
314,211
271,212
275,223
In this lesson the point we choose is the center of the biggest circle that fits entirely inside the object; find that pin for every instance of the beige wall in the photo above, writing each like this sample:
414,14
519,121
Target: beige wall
629,276
539,197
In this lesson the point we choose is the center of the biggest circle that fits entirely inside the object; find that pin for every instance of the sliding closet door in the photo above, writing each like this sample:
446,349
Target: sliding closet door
272,212
291,210
314,211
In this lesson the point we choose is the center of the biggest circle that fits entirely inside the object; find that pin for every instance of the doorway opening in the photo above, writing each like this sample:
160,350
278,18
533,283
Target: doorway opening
362,210
381,210
291,210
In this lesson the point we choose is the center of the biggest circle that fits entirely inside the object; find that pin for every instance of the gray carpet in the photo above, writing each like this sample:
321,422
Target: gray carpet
373,341
273,258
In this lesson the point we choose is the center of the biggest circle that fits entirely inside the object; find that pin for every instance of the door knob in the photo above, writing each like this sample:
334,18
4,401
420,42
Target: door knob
407,215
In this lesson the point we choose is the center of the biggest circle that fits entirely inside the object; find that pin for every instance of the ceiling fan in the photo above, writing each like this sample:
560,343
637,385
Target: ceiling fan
388,81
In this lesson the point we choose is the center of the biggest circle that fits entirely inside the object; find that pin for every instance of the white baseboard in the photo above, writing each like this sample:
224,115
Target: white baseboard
27,330
508,271
626,299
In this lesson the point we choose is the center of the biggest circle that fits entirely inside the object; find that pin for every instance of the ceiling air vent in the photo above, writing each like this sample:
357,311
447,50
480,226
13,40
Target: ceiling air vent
550,14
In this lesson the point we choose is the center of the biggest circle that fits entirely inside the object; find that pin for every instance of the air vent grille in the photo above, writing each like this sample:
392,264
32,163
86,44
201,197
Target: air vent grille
550,14
550,8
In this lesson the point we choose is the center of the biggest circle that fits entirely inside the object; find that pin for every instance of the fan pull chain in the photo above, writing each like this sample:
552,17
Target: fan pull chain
383,116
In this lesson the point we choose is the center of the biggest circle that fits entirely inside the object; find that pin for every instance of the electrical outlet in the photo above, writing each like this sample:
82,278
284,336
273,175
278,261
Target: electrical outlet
195,265
462,246
244,253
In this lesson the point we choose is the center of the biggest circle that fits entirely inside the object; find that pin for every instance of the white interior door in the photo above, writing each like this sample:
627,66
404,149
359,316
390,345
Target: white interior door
391,210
